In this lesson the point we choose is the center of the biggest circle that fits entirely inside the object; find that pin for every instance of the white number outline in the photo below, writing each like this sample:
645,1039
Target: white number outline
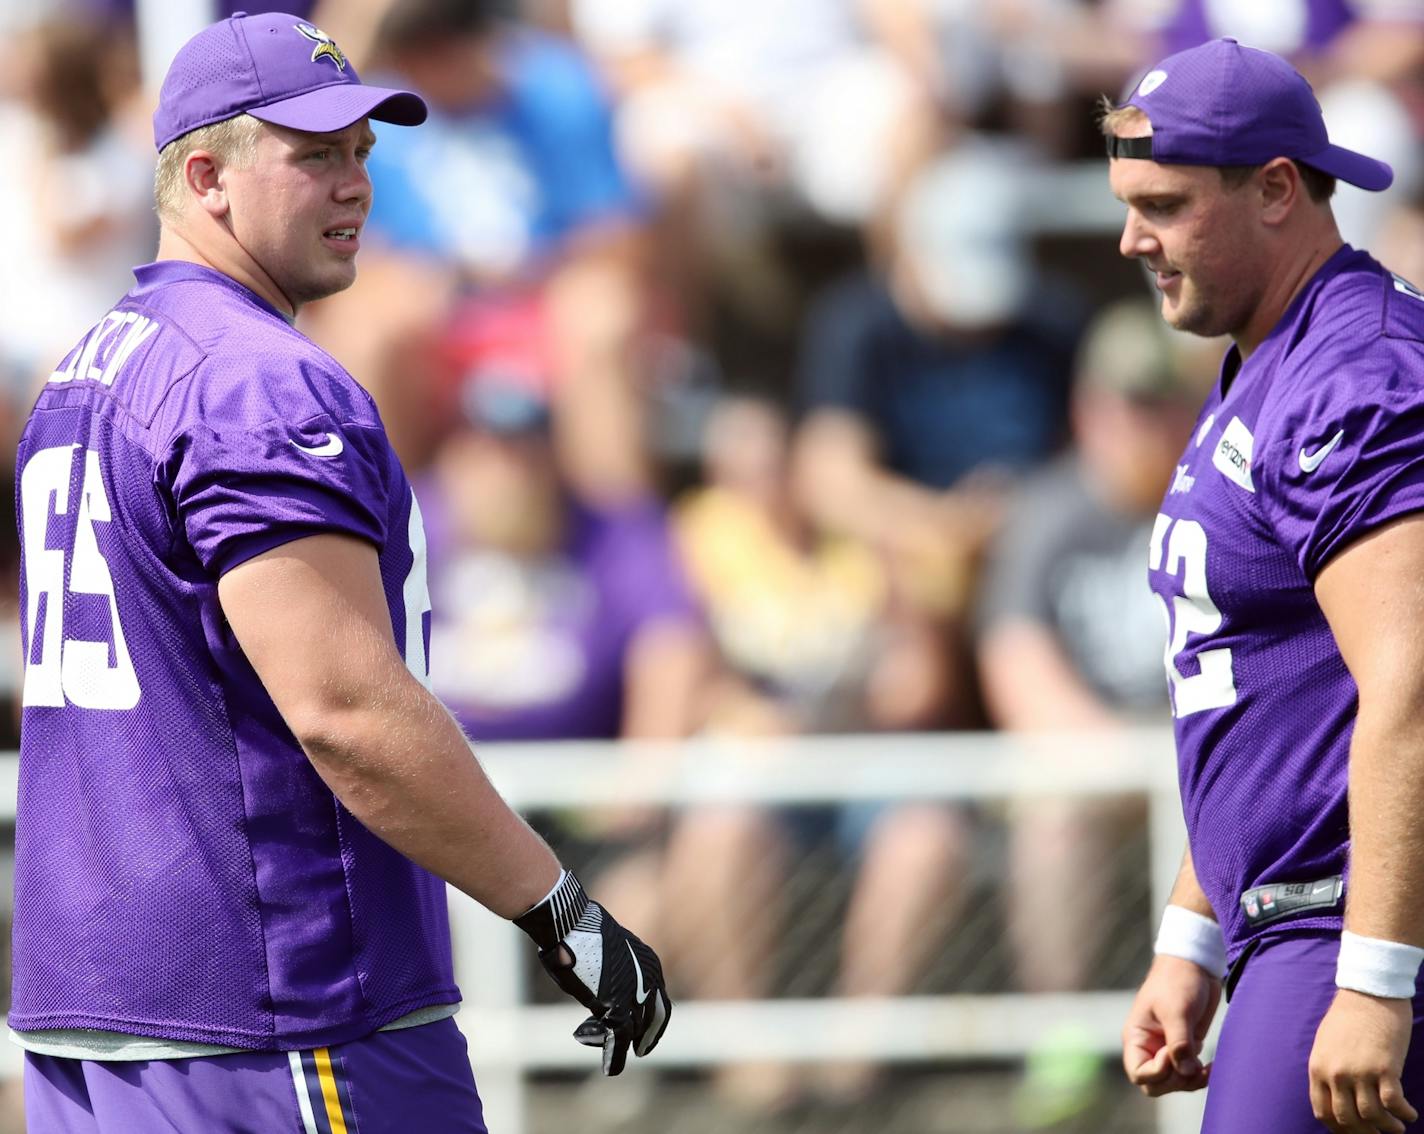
1179,547
416,597
70,670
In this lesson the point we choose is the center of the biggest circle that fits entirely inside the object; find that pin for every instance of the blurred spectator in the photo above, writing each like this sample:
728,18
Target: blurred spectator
756,125
804,618
815,639
1071,639
76,189
1016,65
555,618
928,388
217,9
793,96
515,169
1326,39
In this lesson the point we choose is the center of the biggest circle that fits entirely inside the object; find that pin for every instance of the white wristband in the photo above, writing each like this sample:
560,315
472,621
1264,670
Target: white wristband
1187,934
1375,967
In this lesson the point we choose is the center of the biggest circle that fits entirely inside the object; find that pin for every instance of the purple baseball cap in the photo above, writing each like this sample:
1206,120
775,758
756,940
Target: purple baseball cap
275,67
1224,104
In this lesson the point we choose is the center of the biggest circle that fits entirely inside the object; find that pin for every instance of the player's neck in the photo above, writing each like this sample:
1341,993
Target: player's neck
174,244
1305,258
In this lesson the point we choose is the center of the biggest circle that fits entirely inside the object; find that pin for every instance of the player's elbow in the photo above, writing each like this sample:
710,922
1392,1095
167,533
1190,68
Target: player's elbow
325,734
345,725
357,755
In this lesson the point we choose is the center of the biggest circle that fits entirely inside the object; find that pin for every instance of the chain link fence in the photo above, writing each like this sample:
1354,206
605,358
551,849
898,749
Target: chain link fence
964,1047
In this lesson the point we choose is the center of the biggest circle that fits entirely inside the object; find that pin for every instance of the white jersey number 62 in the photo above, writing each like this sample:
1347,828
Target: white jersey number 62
1179,548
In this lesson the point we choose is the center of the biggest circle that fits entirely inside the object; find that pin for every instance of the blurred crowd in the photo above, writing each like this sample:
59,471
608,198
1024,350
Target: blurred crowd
764,369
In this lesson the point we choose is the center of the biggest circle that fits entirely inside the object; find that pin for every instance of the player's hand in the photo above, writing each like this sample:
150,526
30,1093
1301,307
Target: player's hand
1356,1063
605,968
1162,1039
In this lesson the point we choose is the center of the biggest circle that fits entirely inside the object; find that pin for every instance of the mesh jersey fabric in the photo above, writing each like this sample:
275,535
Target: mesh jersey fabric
1317,440
181,871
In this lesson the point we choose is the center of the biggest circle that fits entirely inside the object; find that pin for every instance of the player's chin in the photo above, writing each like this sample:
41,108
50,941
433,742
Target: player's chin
1185,315
314,286
337,274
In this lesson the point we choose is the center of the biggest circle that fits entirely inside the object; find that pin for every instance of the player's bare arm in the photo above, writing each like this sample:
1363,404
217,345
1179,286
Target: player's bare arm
312,619
1172,1012
1373,596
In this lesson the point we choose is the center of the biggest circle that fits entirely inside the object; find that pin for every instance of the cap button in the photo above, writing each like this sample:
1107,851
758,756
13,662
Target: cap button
1229,39
238,15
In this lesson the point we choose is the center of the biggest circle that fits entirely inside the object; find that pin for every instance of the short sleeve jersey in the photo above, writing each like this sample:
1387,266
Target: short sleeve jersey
181,870
1317,440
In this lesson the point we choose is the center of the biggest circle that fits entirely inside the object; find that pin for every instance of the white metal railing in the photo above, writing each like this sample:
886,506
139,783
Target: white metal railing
509,1037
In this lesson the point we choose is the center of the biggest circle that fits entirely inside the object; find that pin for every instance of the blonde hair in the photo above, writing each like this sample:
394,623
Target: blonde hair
1115,121
232,141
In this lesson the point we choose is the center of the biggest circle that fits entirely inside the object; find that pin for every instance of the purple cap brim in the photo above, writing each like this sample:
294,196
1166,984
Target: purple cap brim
335,107
1357,169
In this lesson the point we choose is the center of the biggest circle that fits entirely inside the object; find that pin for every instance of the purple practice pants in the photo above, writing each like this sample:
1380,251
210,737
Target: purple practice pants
1259,1082
414,1079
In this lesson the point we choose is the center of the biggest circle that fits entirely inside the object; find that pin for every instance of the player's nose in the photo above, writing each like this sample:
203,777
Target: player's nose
1136,239
355,184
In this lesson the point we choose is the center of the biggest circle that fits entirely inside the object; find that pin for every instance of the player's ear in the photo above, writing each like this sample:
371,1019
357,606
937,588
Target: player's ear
1280,189
202,176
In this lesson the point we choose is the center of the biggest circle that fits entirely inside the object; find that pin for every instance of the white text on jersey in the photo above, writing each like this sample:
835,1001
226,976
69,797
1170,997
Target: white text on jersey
104,351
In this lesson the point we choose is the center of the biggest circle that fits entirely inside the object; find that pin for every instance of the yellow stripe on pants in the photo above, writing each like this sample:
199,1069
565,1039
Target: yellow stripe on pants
324,1075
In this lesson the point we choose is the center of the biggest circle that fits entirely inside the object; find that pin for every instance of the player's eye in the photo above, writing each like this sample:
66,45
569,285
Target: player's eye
319,155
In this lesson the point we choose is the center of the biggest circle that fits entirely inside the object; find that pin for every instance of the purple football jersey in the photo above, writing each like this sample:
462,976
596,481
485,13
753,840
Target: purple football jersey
1318,439
181,870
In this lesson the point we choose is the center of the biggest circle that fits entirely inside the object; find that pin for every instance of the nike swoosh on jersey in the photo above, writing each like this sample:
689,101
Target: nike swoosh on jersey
643,990
1309,462
331,447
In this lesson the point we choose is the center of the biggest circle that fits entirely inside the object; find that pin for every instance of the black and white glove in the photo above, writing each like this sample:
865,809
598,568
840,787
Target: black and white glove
605,968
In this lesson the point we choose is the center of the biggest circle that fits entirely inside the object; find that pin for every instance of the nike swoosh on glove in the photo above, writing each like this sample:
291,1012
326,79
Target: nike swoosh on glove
605,968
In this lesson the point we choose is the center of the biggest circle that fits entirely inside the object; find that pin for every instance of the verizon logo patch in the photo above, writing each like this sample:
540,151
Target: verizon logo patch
1232,455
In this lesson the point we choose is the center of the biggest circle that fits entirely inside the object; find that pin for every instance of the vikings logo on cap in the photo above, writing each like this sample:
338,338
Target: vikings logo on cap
1150,82
325,46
